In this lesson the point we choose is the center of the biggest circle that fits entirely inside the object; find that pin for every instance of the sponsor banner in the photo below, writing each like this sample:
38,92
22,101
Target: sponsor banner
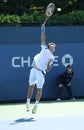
16,62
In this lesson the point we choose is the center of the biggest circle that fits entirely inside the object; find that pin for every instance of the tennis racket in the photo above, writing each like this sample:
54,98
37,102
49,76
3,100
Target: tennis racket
49,11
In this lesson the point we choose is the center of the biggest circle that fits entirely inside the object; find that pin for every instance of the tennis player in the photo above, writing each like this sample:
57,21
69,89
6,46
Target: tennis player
42,63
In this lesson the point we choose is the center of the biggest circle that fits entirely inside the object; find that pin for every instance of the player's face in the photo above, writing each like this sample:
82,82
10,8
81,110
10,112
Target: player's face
52,48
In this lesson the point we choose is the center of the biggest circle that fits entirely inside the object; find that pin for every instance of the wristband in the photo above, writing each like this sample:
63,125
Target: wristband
43,30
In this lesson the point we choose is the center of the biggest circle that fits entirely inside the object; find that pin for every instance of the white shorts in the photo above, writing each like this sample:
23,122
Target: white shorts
36,77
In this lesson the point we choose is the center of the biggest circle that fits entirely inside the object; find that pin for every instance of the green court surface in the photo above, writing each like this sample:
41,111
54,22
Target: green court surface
45,108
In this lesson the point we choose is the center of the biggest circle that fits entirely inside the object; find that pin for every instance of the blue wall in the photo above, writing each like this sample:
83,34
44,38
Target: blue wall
16,61
26,35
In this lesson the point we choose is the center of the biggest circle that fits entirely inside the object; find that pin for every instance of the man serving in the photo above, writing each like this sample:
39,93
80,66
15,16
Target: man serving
42,63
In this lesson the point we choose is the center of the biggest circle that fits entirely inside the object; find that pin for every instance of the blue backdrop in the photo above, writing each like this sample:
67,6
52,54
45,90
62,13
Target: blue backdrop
18,45
16,62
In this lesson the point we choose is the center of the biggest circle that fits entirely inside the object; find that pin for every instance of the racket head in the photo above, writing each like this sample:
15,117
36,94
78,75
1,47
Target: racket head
50,9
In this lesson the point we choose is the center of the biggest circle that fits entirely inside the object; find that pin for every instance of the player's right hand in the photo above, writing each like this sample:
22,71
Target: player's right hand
42,26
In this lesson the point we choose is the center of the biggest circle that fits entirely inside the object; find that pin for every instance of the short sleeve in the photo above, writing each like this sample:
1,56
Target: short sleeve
44,47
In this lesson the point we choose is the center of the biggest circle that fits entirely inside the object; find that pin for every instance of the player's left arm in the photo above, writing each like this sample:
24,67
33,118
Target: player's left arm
49,64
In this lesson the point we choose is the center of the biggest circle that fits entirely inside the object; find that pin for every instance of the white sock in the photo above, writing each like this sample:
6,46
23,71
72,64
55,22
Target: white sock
36,102
28,101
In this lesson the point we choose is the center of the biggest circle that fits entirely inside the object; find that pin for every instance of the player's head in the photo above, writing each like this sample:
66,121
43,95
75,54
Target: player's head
69,68
51,46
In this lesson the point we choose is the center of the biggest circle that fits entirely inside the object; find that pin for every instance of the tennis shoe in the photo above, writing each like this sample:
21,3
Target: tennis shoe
28,106
34,109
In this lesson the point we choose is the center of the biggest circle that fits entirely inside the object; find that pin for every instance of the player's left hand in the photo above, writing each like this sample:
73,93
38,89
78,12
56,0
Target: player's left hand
50,60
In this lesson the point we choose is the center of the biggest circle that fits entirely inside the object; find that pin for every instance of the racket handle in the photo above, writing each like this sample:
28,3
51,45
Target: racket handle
45,20
44,23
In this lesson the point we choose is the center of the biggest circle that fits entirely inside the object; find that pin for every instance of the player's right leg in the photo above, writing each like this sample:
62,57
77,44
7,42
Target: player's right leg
32,80
29,96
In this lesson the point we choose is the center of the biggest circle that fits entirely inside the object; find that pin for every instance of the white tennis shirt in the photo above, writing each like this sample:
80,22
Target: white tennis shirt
42,58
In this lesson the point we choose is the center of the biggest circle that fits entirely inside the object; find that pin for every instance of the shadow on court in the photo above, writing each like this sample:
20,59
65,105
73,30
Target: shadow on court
23,120
75,122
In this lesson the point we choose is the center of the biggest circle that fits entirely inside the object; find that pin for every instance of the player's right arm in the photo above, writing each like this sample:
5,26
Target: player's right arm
43,37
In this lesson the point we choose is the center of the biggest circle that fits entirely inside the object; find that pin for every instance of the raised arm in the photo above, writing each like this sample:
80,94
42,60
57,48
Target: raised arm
43,37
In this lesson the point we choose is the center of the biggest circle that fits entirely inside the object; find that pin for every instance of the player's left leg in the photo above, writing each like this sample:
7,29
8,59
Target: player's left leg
38,96
40,83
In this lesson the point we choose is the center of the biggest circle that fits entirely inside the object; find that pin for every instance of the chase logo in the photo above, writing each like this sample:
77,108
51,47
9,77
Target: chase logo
67,59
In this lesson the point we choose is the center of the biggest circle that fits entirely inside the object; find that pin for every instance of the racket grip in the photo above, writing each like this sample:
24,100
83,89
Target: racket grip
44,23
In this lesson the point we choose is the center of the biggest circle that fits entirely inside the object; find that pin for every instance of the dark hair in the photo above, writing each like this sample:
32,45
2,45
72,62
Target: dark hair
51,43
69,66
